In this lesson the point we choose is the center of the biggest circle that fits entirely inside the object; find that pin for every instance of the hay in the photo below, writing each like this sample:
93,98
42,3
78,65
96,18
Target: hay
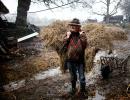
116,33
13,74
90,27
89,56
27,67
99,36
54,32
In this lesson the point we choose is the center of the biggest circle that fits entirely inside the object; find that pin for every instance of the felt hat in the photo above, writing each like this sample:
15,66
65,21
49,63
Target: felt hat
75,22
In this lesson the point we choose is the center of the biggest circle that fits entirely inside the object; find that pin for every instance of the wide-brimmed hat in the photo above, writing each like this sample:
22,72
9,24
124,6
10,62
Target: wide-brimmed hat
75,22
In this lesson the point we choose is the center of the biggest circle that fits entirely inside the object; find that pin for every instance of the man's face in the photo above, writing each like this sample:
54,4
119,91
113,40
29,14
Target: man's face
75,28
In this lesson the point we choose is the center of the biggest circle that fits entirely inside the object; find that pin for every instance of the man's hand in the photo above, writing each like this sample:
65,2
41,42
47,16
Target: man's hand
68,35
83,39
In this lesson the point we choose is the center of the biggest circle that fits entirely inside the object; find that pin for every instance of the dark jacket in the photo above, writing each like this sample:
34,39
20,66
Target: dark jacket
77,52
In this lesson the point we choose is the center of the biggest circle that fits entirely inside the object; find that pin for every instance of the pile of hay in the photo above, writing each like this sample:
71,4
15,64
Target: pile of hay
25,67
116,33
22,70
99,36
54,32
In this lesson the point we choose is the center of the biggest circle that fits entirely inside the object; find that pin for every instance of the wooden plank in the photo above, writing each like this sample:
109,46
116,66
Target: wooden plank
27,37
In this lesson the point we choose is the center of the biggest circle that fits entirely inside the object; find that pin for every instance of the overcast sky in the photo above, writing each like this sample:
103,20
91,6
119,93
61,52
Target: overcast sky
60,13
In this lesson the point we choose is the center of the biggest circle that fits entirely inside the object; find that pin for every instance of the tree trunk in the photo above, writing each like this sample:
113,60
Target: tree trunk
107,19
23,7
108,16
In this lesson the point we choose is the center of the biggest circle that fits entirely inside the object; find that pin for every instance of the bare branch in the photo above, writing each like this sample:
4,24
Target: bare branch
102,2
104,8
106,0
126,8
99,14
85,4
34,2
52,7
116,8
114,1
62,2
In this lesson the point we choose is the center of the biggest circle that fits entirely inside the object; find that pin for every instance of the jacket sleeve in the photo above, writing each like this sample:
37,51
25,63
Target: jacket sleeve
66,38
83,39
65,42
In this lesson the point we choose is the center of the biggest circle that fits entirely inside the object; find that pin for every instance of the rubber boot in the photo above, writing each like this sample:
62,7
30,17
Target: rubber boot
1,89
83,92
73,89
82,88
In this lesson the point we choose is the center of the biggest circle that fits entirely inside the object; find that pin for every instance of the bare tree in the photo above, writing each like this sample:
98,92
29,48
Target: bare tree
126,8
23,7
106,8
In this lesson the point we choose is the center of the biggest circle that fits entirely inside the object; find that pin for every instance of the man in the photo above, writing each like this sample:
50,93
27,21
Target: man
76,42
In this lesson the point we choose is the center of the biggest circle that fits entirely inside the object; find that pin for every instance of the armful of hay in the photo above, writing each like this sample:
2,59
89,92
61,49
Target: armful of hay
83,39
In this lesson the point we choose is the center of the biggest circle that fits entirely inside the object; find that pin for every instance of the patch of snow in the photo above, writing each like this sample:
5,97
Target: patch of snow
91,77
48,73
98,97
14,85
42,75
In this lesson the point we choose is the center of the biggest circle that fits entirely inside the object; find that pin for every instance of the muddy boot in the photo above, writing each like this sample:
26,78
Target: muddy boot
82,92
1,89
73,89
1,81
82,88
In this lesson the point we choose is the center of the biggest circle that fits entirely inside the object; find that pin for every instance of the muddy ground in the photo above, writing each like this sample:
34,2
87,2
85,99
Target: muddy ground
54,87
